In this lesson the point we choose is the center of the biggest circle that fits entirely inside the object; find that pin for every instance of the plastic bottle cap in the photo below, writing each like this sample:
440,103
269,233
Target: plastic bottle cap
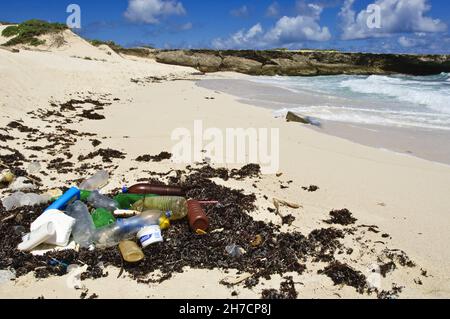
124,189
164,223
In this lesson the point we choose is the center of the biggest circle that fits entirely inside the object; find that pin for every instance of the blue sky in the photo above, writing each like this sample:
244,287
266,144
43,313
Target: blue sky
411,26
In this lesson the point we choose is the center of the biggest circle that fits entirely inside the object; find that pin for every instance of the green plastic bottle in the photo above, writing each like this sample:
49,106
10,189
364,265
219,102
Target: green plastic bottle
84,194
126,200
102,217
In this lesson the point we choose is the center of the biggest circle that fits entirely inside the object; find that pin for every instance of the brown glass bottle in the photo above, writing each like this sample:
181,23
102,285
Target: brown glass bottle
197,216
145,188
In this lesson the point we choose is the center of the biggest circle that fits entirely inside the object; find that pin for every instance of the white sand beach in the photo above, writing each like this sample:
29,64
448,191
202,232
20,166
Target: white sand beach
406,197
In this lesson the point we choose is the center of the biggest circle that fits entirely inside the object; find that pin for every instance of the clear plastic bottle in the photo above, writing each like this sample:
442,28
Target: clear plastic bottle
84,228
123,229
98,200
98,180
20,199
177,205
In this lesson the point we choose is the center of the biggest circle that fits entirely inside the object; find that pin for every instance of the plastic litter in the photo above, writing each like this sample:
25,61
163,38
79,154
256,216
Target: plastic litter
130,251
20,199
145,188
7,275
68,197
98,200
33,167
126,200
102,217
177,205
123,229
6,176
63,226
197,216
20,184
149,235
97,181
84,228
235,251
37,237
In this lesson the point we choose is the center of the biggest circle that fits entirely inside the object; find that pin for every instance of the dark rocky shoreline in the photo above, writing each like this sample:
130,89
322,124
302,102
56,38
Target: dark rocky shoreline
304,63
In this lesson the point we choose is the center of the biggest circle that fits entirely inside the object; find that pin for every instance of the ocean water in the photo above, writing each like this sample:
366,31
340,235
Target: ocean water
397,101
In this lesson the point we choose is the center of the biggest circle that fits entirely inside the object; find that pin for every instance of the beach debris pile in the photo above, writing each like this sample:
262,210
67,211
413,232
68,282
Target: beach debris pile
188,222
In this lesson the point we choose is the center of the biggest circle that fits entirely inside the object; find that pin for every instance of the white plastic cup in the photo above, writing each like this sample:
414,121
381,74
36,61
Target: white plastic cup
149,235
37,237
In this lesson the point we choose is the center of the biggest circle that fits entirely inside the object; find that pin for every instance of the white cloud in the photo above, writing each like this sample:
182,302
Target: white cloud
273,10
287,31
150,11
240,12
397,16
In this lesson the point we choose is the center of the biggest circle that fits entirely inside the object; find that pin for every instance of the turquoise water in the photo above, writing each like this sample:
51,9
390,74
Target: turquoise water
400,101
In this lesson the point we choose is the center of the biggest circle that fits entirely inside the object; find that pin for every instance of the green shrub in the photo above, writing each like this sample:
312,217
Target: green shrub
28,31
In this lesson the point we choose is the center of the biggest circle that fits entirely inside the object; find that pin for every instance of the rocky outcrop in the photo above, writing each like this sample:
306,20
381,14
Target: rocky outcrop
305,63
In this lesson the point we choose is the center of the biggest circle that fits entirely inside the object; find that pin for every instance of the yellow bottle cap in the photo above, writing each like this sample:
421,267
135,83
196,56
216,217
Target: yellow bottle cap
164,223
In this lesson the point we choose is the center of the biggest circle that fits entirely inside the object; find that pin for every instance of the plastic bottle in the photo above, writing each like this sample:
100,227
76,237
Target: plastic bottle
126,228
130,251
68,197
177,205
149,235
102,217
20,199
37,237
84,228
63,226
98,200
98,180
197,216
125,201
145,188
84,194
6,176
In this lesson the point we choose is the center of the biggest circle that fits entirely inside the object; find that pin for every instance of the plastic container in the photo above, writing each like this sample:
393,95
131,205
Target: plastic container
98,200
102,217
130,251
98,180
84,228
177,205
145,188
37,237
149,235
125,201
20,199
66,199
124,229
197,216
63,226
6,176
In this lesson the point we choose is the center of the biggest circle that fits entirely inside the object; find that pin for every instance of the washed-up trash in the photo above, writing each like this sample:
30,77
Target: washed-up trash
63,226
123,229
149,235
177,205
257,241
234,280
145,188
33,167
277,202
97,181
6,176
126,200
20,199
197,216
130,251
102,217
68,197
292,117
7,275
37,237
235,251
98,200
20,184
19,230
84,228
125,213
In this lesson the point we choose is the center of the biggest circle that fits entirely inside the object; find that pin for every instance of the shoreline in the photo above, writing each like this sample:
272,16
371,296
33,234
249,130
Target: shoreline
421,143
